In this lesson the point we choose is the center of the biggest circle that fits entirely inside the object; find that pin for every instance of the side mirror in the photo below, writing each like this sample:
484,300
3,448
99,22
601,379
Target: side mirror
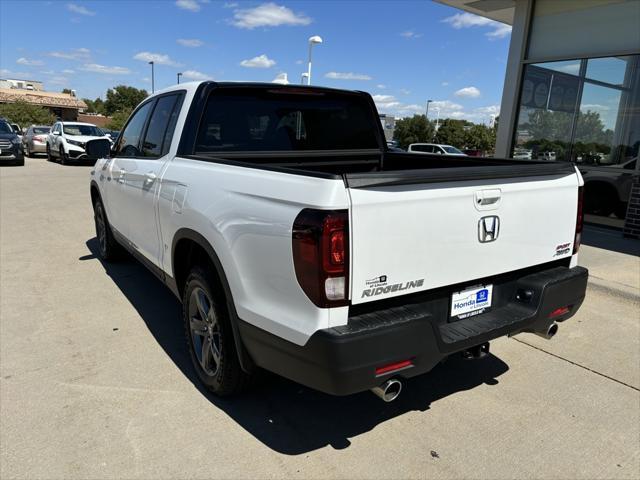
56,133
98,148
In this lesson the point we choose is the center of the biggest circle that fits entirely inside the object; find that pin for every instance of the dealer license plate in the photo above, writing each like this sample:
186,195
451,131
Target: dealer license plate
472,301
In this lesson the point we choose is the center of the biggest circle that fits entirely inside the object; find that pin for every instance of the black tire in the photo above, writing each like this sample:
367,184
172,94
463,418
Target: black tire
20,162
27,151
108,247
63,158
209,336
49,156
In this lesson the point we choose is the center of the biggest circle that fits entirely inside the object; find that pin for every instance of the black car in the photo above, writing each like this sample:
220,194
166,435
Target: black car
10,145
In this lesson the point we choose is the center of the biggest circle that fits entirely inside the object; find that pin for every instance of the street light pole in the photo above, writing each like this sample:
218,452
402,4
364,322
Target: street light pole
153,89
312,41
427,115
179,75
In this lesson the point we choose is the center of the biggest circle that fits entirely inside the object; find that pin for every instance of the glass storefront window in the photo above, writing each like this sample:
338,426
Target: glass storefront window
586,111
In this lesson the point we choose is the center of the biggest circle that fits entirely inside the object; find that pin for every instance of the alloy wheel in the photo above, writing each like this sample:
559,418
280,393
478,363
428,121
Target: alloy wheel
205,332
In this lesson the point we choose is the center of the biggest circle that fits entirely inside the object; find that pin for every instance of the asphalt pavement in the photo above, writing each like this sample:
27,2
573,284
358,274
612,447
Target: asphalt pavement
95,381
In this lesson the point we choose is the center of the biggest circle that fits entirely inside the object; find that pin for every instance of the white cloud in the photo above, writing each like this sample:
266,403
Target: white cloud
157,58
445,84
75,54
195,75
96,68
58,80
410,34
268,15
347,76
190,42
230,5
381,86
261,61
468,92
80,9
468,20
299,62
191,5
30,63
404,91
68,71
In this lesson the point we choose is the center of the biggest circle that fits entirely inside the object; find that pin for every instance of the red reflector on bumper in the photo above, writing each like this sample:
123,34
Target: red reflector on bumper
559,311
393,366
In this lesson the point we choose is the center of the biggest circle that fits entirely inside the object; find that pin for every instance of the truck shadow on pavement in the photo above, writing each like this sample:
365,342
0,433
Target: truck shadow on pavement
285,416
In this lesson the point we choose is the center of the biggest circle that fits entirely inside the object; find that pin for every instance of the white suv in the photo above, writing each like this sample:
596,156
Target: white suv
434,148
67,140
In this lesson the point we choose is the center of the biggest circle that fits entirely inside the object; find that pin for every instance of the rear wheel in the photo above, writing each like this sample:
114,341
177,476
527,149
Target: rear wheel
28,150
107,245
49,157
63,158
209,335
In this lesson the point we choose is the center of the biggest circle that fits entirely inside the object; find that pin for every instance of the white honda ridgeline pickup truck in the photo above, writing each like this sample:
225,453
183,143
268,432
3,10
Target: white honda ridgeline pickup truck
299,244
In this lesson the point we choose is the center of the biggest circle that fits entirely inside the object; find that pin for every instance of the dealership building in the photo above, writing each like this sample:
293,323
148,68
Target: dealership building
572,93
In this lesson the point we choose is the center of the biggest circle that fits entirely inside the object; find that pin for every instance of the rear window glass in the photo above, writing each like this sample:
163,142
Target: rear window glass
41,130
237,120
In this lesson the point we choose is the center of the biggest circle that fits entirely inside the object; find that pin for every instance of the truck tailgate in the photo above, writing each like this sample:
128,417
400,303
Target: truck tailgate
408,237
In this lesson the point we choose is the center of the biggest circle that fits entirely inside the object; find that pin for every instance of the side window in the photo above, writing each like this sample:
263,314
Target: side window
129,142
157,129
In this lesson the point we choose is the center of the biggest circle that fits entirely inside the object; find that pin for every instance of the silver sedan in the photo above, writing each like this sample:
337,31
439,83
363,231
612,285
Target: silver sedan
35,139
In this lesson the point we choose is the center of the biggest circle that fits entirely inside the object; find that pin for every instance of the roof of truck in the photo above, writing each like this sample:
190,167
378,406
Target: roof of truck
192,86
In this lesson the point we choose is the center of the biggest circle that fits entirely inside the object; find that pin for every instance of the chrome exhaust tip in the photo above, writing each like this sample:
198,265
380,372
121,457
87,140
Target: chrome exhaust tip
550,332
389,390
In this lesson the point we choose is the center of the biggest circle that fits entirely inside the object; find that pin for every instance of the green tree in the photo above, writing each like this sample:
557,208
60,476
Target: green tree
413,130
26,114
118,120
452,132
66,90
479,137
94,106
123,98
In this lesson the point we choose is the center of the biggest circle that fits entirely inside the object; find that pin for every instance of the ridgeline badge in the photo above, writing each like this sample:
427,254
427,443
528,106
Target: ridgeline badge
378,286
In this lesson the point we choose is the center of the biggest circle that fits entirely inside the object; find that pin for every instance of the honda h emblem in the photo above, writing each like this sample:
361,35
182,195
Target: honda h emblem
488,229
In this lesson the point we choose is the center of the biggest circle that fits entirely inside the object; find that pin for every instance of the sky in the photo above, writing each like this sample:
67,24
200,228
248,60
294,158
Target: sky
401,52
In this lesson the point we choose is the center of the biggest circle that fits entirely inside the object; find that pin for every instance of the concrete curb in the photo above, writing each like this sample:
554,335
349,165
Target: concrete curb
614,288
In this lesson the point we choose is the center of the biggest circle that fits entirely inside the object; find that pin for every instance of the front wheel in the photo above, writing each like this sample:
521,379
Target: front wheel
49,157
107,245
63,157
209,336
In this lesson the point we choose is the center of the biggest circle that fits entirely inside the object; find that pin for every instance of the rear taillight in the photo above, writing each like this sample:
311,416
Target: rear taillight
321,255
579,221
39,138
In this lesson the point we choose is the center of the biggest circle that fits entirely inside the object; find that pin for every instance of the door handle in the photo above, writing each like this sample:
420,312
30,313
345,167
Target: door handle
121,175
150,177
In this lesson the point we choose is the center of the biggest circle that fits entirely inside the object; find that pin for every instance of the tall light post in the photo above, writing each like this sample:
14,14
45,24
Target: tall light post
427,115
153,89
303,77
315,40
179,75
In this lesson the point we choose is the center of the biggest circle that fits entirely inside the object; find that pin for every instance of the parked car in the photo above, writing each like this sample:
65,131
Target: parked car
298,244
608,188
434,148
548,156
35,139
67,140
522,153
10,145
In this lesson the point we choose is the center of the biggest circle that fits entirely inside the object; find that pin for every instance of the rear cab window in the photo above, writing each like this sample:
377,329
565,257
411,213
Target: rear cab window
285,120
161,126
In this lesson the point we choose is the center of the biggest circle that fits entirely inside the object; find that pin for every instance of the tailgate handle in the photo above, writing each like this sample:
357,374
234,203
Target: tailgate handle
488,198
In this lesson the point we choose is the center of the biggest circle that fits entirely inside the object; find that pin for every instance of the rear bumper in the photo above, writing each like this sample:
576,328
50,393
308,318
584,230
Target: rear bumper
343,360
